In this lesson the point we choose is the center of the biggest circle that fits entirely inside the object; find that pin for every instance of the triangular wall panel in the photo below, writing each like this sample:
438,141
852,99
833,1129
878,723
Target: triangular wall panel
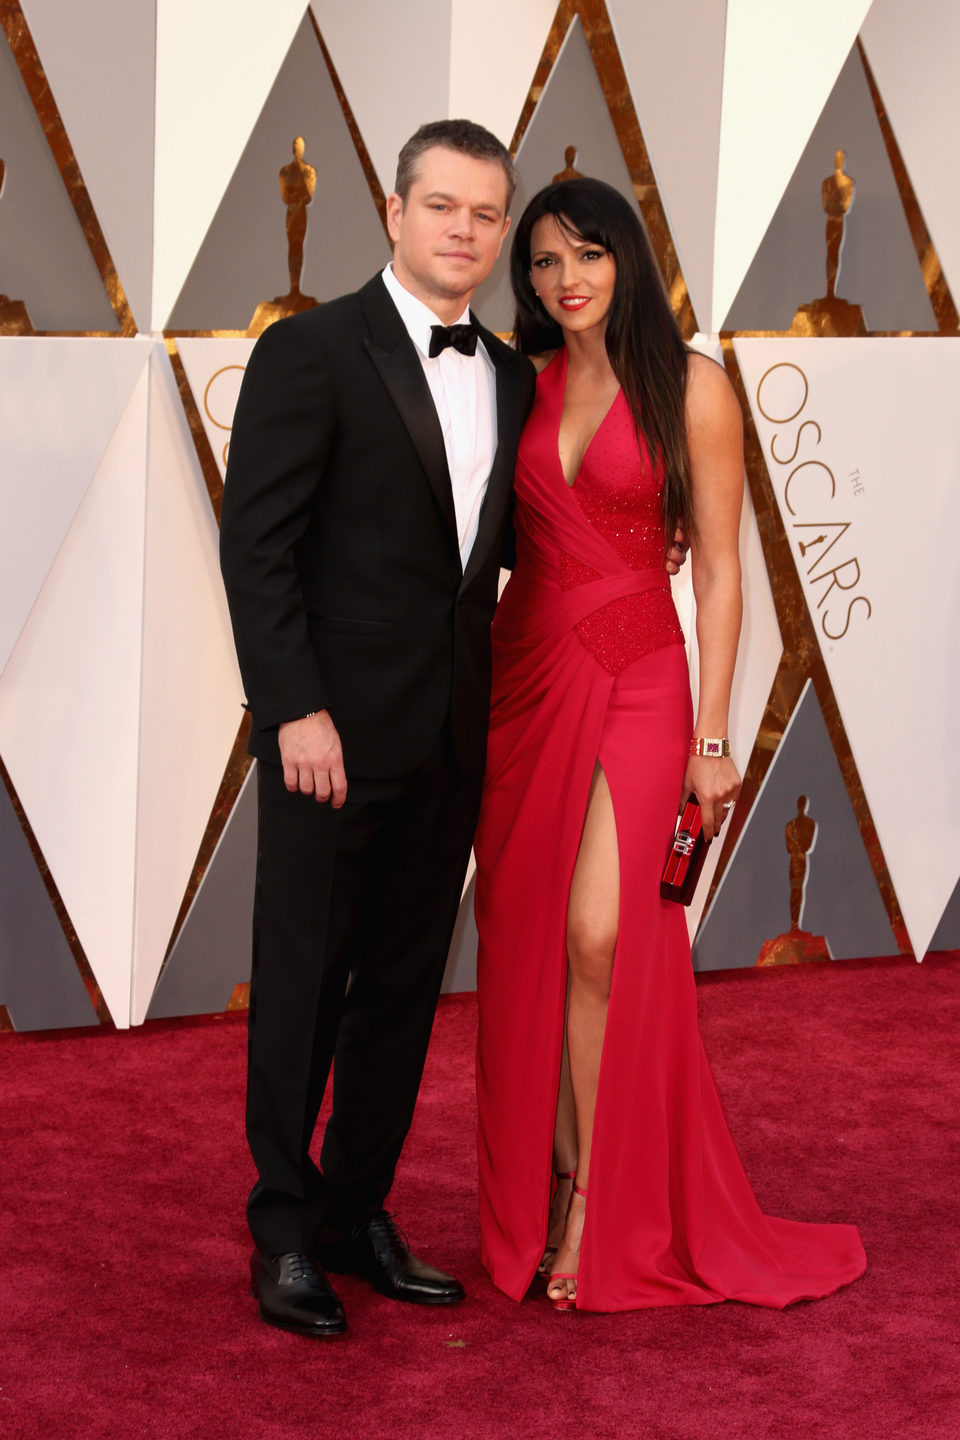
673,59
40,985
70,705
212,953
912,50
46,468
216,63
394,66
45,260
879,270
780,64
571,111
477,51
882,413
841,900
243,258
107,49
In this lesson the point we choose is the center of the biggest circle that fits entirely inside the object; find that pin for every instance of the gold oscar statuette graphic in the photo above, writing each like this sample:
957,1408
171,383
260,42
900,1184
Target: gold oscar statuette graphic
797,946
830,315
14,319
298,181
569,171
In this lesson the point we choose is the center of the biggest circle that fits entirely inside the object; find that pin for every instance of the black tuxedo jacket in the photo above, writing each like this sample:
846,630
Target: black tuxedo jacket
339,545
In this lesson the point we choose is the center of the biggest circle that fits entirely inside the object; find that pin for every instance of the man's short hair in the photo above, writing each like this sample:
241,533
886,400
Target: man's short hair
463,135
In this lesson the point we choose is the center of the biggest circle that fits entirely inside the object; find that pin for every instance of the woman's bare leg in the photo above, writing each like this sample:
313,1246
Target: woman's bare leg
564,1161
593,919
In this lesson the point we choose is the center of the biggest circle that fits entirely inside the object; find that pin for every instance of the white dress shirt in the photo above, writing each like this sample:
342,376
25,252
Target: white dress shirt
464,390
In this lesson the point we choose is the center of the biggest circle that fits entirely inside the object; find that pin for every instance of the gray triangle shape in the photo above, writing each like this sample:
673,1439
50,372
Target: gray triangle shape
879,270
40,984
45,260
947,934
841,901
213,952
571,111
243,258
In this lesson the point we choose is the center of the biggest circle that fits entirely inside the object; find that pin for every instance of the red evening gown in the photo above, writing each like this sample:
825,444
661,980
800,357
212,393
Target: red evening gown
589,665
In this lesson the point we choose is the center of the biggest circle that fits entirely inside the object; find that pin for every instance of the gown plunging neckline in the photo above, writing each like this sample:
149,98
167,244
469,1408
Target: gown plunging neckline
571,484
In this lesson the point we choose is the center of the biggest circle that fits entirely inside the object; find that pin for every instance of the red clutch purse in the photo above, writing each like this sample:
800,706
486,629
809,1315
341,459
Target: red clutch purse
686,855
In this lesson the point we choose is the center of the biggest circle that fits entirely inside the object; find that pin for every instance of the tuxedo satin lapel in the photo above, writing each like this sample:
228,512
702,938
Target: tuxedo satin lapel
395,356
509,422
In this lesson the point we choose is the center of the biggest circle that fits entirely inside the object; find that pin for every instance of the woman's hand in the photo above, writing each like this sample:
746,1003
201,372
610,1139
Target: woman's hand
715,782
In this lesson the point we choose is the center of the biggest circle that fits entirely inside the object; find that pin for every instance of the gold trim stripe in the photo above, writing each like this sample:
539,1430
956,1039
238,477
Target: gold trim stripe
933,277
201,442
602,43
363,154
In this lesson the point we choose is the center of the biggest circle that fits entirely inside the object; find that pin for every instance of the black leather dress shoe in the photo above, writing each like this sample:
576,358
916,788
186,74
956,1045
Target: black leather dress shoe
378,1251
295,1295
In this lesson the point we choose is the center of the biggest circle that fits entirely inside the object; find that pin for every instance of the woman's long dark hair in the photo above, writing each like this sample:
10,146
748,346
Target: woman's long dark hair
644,344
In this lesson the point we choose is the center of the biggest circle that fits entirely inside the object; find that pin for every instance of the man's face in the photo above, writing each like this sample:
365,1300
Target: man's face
448,234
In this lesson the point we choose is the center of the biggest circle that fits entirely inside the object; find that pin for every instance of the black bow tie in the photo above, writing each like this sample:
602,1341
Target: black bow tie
461,337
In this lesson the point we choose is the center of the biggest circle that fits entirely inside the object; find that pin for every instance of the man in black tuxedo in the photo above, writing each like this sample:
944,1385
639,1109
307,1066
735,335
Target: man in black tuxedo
364,512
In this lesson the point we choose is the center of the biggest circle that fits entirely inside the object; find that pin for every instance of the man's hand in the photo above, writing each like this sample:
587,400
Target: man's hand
677,554
312,758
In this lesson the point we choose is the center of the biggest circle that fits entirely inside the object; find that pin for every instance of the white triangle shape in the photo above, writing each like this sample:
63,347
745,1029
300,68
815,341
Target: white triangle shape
113,138
216,63
69,704
780,64
60,403
214,368
191,696
477,52
849,487
394,66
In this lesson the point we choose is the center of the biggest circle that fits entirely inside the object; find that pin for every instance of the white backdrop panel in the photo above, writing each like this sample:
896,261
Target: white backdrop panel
69,707
215,369
60,401
863,450
394,65
107,107
913,53
190,686
216,63
780,65
479,49
673,58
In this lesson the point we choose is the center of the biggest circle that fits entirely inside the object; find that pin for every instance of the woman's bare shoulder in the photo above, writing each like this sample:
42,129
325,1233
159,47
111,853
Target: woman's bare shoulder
710,395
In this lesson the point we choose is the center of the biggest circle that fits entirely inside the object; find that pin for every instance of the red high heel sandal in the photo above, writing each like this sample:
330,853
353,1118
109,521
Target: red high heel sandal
568,1301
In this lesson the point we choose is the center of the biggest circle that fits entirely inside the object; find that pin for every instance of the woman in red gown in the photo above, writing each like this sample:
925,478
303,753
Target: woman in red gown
590,1061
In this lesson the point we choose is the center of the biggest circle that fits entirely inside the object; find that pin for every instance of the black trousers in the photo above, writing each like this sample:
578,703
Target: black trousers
353,917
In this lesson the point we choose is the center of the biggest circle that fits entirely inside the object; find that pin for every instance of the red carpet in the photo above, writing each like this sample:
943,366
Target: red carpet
123,1303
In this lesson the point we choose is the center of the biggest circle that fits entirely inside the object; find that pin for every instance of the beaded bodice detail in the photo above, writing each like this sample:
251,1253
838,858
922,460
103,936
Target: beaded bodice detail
618,490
